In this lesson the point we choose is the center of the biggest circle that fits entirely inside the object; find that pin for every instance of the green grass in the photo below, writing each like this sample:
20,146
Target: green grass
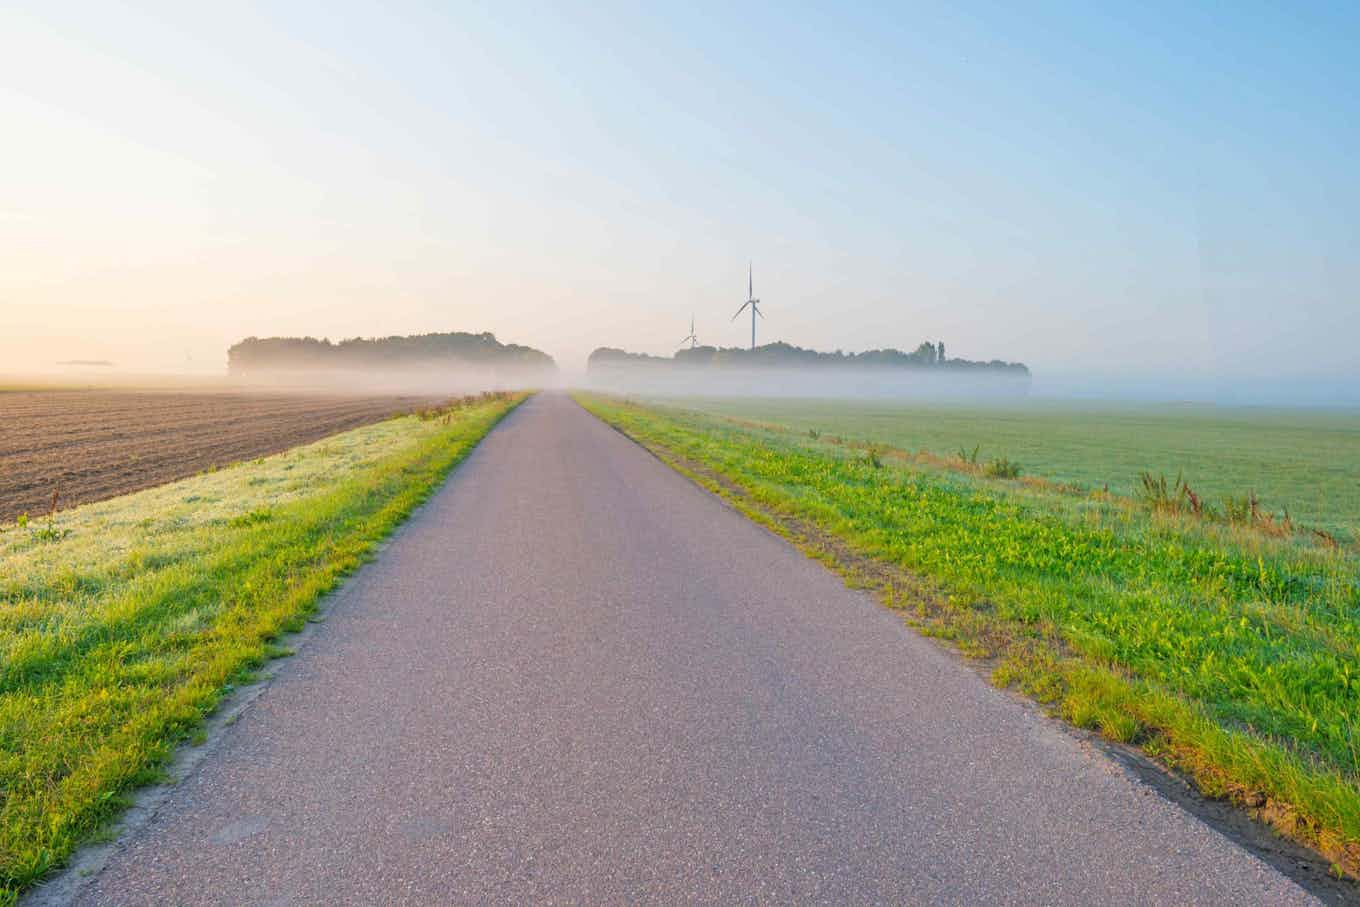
122,629
1305,460
1225,651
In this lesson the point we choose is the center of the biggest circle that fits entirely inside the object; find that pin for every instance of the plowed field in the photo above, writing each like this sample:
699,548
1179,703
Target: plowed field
94,444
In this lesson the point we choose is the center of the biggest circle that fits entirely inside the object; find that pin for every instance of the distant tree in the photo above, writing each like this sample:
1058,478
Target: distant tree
374,353
780,354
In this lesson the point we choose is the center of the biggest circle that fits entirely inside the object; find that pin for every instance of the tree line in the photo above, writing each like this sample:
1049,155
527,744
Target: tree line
927,355
305,353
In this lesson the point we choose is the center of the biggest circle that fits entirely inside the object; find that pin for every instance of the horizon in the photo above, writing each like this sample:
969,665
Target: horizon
1057,386
1150,202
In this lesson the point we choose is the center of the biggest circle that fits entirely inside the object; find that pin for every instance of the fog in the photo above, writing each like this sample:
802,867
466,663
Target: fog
814,382
873,384
422,380
1327,391
918,385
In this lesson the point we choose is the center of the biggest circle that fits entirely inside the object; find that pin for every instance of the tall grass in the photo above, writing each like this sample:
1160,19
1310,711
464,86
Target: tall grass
1244,510
117,638
1002,468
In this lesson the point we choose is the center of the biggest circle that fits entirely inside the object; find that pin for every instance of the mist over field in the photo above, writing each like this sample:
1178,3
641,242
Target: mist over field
1326,392
813,382
1329,391
430,380
426,382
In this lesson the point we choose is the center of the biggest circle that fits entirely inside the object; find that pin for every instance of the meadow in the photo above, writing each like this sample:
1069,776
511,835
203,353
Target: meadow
1229,651
124,622
1303,461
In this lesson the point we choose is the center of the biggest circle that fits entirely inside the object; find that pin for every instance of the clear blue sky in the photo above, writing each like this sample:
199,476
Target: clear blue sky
1108,190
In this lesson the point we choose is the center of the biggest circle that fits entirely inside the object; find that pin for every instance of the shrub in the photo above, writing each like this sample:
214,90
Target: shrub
1003,468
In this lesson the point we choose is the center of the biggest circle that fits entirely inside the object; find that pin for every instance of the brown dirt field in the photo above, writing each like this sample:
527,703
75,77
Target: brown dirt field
96,444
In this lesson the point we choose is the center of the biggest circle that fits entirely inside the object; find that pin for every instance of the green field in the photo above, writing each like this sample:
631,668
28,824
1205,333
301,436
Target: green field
1230,651
1307,461
122,623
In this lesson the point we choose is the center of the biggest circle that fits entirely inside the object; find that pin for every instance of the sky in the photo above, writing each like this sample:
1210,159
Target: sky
1120,195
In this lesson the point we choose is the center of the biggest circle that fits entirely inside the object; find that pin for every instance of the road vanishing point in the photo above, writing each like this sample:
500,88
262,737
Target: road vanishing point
574,676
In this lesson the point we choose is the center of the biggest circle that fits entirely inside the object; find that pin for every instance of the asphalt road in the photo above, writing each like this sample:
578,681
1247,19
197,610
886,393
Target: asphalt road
575,677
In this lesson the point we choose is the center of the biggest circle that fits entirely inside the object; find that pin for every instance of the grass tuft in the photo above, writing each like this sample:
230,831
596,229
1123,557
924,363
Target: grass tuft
1002,468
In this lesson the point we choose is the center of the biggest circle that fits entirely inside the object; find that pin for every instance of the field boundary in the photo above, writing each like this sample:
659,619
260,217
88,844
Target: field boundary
1039,667
91,445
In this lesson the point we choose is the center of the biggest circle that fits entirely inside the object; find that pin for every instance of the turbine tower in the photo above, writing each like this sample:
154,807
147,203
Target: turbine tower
753,303
692,340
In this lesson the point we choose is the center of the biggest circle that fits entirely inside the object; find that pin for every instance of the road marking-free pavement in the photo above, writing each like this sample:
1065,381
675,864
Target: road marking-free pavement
575,677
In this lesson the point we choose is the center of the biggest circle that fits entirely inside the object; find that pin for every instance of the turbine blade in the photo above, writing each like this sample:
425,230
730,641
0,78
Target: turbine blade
742,309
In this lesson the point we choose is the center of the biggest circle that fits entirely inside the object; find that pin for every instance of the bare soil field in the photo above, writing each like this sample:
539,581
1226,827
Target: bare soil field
95,444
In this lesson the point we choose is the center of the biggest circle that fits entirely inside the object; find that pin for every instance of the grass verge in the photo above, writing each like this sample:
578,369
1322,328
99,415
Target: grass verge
1230,655
1306,460
124,623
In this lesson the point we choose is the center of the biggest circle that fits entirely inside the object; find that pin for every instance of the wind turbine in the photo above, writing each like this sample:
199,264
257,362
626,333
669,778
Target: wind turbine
692,340
753,303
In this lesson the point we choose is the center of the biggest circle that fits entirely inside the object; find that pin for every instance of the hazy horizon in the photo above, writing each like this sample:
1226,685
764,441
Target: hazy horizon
1155,202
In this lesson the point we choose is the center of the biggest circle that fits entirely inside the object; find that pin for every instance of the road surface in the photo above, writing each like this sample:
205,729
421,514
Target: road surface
575,677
